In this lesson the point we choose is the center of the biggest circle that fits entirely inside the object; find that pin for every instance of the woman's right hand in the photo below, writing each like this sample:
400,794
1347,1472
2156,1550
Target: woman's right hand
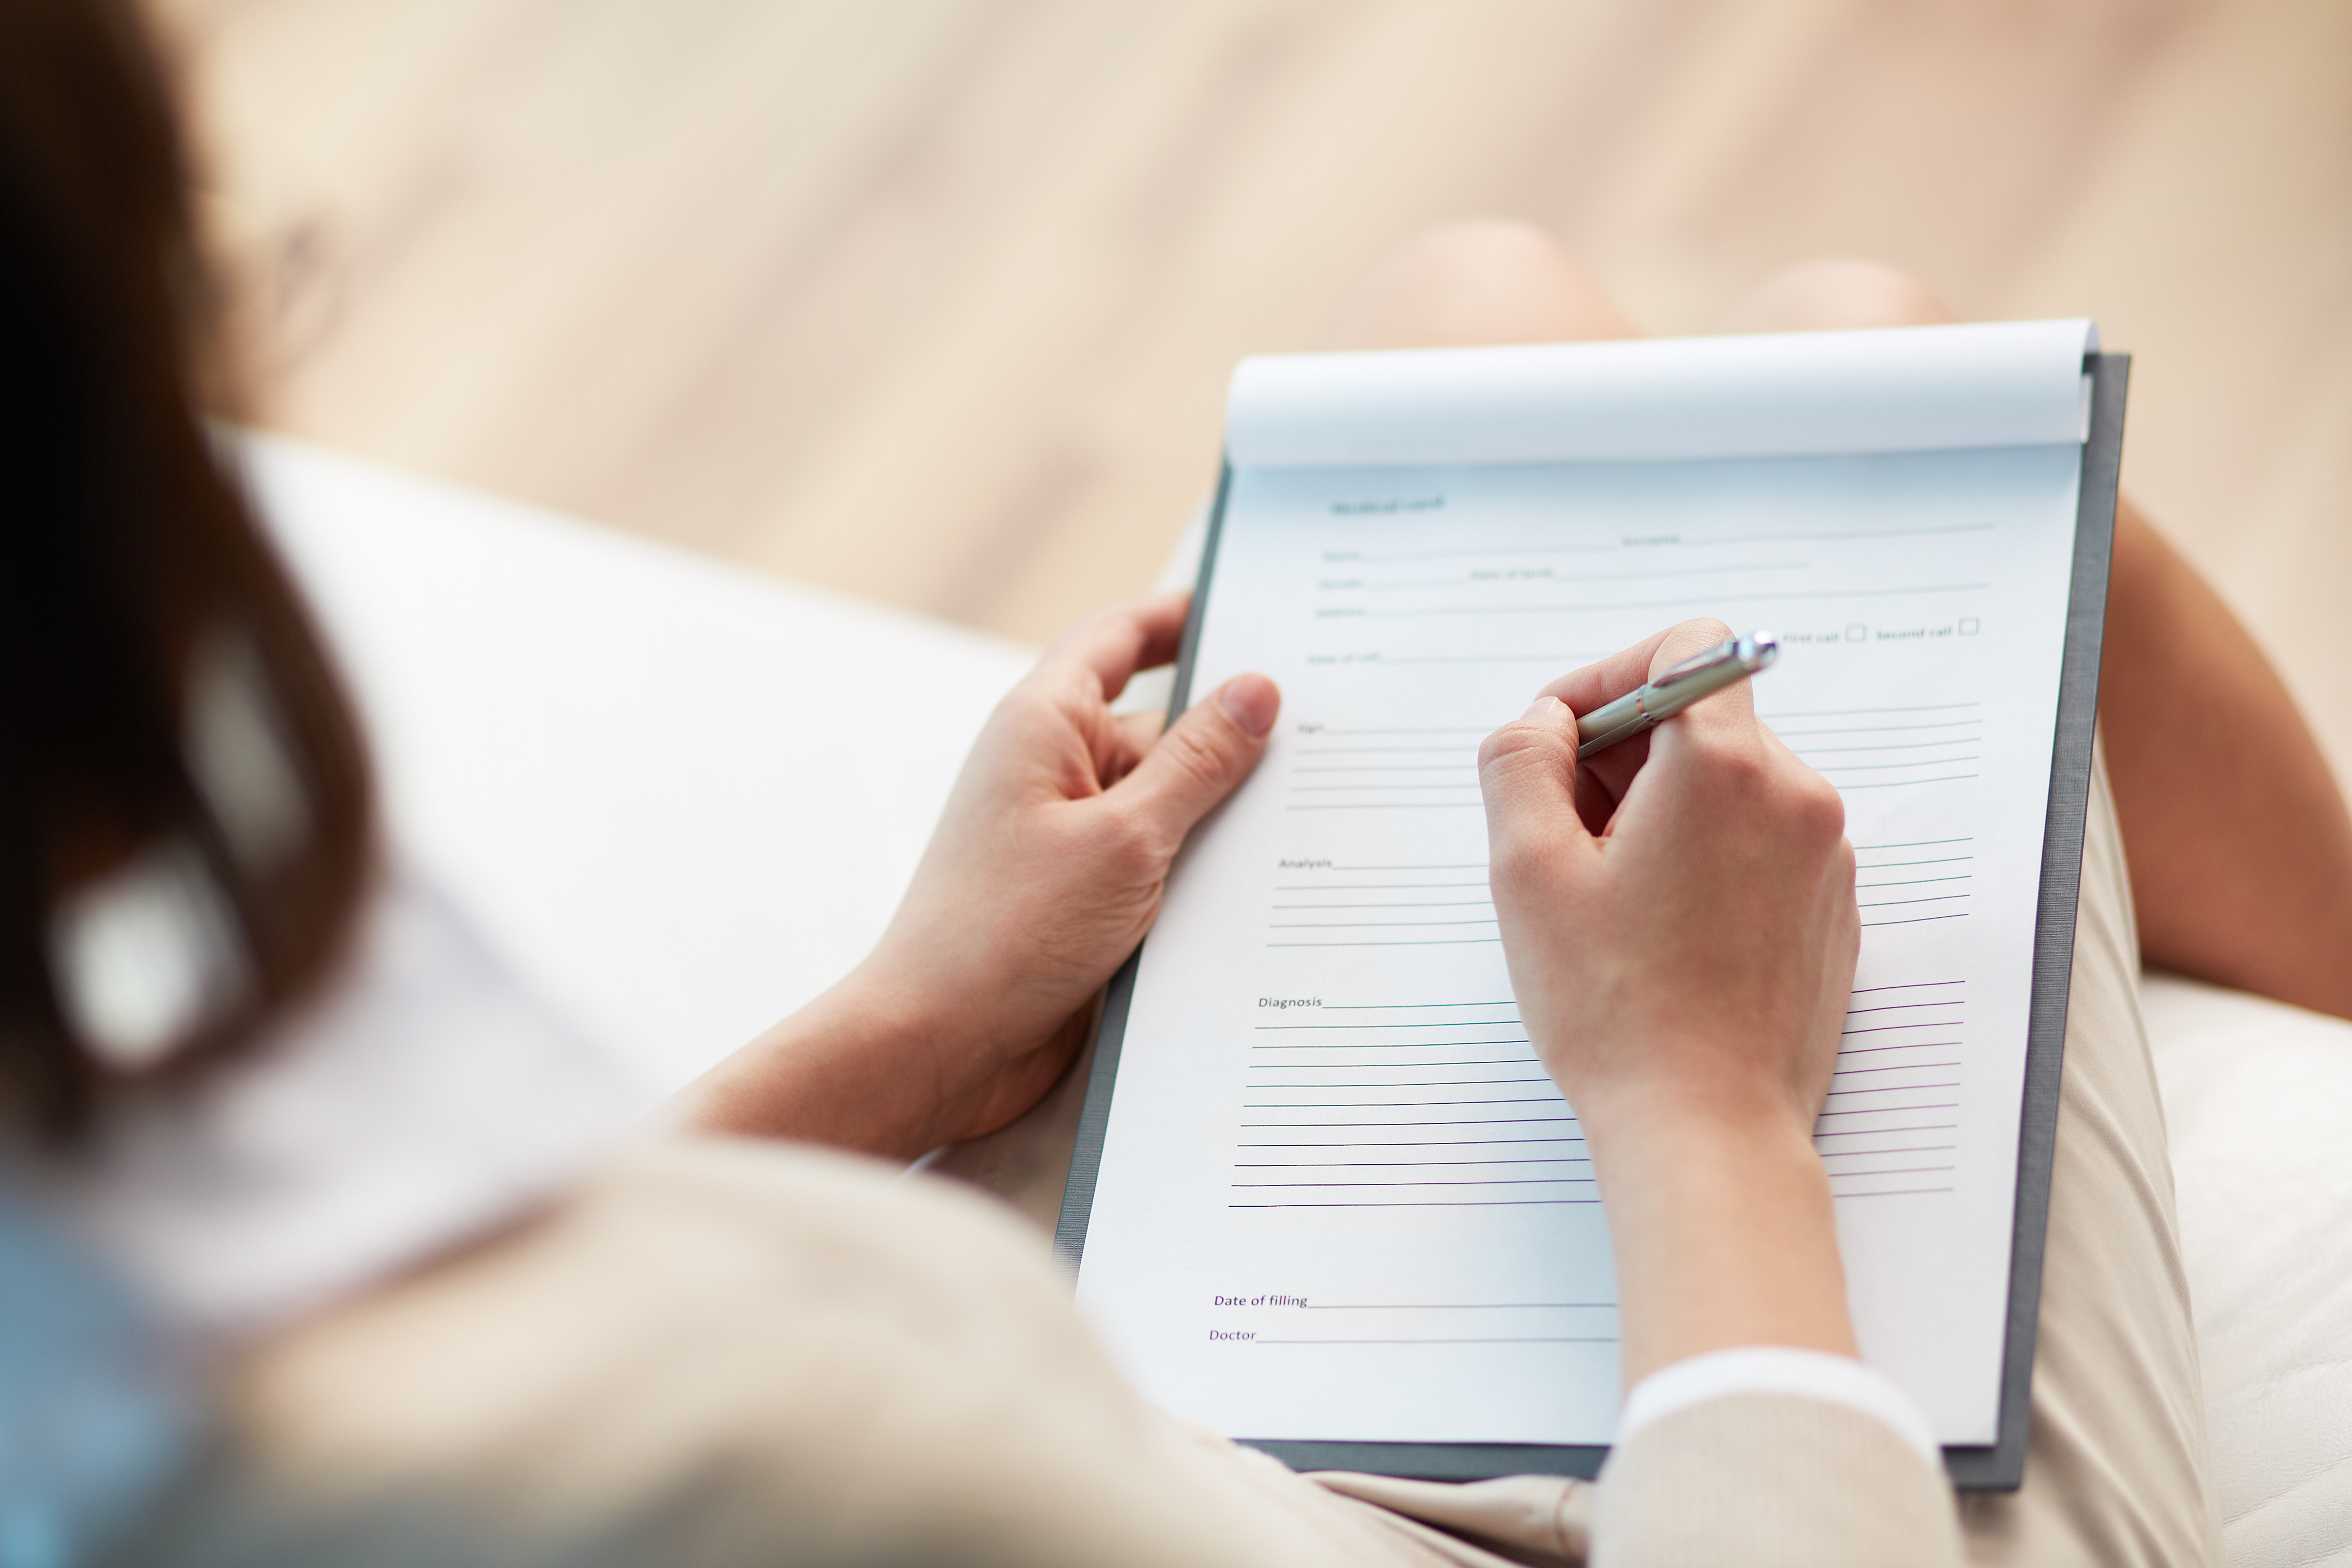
1678,915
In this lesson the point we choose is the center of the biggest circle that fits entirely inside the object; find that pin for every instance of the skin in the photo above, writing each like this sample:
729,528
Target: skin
1696,1066
2236,837
2237,834
1045,871
1697,1072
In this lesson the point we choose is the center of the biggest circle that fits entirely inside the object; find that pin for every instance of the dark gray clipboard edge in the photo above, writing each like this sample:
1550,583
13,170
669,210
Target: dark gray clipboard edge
1093,1115
2000,1467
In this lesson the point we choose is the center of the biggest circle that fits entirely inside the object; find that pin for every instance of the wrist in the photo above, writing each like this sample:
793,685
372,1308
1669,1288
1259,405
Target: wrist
1722,1224
836,1072
1698,1110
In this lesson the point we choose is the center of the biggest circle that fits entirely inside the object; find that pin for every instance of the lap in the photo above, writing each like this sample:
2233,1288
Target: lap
726,1352
2115,1470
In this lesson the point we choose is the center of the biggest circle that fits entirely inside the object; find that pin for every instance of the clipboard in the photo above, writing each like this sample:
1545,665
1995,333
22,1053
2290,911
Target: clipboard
1996,1466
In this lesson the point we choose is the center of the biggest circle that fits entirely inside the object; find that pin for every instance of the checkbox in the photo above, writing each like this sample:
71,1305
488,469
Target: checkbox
1856,633
1968,625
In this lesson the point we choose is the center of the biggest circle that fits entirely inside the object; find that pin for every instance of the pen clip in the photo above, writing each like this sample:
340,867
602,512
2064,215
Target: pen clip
1751,653
1723,653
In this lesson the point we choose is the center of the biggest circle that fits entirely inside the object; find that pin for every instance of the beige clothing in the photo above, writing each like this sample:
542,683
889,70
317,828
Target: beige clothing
726,1352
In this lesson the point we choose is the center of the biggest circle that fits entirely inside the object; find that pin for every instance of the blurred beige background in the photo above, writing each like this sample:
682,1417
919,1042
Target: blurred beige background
933,300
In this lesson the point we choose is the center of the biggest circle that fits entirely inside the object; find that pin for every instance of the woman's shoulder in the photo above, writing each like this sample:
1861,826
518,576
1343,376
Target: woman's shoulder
421,1096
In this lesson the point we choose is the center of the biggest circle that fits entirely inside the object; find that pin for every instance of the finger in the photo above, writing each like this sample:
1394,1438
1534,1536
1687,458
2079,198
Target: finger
1611,772
1527,771
1607,680
1112,644
1206,753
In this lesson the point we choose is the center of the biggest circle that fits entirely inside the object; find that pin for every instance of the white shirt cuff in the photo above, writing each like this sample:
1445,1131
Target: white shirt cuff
1779,1369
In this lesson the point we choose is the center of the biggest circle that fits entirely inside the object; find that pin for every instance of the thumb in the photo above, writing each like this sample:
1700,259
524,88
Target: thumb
1527,771
1204,755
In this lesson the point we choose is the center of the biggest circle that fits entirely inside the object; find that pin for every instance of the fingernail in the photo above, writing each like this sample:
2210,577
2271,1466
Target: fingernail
1250,701
1537,709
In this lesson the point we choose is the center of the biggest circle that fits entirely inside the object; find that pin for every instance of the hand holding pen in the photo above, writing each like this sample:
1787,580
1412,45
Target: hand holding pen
1671,689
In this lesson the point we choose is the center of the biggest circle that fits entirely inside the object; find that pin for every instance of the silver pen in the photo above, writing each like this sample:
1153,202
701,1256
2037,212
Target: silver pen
1672,689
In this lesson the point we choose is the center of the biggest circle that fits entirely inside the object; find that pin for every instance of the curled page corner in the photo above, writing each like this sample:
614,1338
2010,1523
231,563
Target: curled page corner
1899,389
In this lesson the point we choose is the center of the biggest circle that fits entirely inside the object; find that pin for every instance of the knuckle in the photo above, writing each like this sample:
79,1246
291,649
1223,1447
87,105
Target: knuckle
1516,746
1691,636
1827,809
1734,765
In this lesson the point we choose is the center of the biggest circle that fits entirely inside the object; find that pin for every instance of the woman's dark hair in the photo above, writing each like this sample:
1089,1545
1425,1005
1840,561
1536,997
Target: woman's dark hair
136,594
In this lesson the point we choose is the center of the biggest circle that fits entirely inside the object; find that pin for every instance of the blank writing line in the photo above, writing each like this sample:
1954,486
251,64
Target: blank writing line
1666,604
1567,659
1398,925
1490,1122
1410,1022
1504,1181
1547,1340
1873,1154
1885,730
1548,581
1844,1072
1492,550
1895,1193
1883,1131
1456,903
1460,1306
1433,942
1849,712
1465,1082
1419,805
1478,866
1489,1143
1333,789
1418,1104
1390,1067
1897,1088
1387,888
1419,1165
1433,1203
1378,1044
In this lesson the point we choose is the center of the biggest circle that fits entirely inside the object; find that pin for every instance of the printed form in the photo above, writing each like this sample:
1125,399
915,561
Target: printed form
1338,1198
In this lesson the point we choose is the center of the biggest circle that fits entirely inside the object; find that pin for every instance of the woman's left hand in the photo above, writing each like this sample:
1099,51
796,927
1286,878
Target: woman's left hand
1045,871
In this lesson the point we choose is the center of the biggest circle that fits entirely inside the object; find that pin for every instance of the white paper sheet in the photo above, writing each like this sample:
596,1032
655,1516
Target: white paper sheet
1338,1198
2006,384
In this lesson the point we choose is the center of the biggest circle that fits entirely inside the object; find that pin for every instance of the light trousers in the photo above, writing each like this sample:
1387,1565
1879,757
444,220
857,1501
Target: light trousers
720,1351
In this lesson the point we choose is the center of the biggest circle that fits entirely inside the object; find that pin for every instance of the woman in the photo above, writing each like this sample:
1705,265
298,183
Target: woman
728,1341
